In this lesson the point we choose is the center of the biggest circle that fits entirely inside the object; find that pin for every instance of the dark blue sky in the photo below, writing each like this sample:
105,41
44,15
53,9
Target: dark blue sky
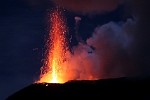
23,28
22,31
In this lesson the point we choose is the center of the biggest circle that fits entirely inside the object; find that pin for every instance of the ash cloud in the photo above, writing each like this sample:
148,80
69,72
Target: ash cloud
89,6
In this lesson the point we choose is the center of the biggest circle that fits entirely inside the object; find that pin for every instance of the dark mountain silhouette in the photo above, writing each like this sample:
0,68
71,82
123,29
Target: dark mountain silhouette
111,89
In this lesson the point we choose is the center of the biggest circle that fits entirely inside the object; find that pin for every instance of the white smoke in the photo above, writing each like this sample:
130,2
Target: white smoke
108,59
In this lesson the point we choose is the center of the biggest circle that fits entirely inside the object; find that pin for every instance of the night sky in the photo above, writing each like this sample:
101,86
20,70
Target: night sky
23,30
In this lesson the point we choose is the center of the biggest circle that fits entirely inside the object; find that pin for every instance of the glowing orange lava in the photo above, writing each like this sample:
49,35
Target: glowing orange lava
56,49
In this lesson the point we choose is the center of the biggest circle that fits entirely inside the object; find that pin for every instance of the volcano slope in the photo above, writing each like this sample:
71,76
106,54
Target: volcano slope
118,88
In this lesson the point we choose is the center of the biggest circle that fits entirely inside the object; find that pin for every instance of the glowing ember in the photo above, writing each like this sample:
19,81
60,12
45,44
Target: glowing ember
56,50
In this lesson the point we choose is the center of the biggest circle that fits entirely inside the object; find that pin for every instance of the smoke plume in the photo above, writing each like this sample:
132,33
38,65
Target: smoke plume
115,49
104,55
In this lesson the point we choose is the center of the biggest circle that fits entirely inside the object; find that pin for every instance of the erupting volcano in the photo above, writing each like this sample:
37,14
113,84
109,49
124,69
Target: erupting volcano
51,72
60,65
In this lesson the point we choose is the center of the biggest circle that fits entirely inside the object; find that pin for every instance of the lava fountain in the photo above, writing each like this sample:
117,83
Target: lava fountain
56,45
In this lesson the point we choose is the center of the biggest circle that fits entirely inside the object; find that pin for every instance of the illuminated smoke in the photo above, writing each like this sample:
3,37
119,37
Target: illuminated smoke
110,57
104,55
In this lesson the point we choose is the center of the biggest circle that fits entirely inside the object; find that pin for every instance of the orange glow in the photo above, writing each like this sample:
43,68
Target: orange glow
60,65
51,72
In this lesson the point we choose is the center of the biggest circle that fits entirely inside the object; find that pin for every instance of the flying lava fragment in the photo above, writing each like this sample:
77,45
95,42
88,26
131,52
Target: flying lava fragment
56,49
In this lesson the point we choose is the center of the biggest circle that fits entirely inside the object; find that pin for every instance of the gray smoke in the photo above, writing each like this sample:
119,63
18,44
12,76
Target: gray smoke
120,49
110,57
